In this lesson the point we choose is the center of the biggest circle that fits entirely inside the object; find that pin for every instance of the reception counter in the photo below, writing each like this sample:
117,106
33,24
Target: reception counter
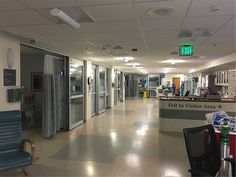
178,113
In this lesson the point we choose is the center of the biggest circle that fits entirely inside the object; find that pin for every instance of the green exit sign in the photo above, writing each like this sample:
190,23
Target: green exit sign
186,50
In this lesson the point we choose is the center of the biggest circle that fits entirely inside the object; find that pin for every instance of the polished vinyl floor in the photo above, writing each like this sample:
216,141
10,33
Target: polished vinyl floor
122,142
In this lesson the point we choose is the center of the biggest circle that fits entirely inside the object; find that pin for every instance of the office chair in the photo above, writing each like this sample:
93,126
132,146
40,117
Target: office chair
204,151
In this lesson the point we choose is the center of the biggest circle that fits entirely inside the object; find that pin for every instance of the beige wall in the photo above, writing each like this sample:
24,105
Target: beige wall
6,43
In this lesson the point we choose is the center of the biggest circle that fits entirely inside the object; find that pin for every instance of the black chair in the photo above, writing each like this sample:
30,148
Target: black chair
187,93
204,151
12,154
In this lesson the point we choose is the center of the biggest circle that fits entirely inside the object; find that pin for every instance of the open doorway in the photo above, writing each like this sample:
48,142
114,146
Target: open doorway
176,81
44,81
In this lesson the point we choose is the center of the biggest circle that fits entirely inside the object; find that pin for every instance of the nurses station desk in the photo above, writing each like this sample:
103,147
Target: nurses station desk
176,113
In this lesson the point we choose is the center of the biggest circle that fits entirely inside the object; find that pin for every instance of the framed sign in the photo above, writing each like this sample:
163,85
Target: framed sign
186,50
9,77
37,81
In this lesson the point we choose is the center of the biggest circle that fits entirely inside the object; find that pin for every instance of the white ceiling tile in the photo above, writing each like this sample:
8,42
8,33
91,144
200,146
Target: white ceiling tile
37,29
226,32
203,7
47,3
130,44
231,23
107,27
169,43
101,2
23,17
159,34
116,24
211,22
6,5
216,47
161,24
180,7
118,12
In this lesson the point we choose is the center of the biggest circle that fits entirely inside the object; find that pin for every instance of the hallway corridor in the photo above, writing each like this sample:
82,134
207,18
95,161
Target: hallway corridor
124,141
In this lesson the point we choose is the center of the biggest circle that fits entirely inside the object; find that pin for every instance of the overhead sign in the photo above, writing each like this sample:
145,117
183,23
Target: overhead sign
186,50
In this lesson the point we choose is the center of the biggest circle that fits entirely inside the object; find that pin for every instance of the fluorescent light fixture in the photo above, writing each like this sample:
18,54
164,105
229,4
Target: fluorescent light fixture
125,59
196,34
133,64
64,17
174,61
75,65
72,69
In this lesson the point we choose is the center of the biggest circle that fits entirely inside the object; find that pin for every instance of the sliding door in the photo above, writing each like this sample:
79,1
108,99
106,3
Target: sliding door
94,94
76,94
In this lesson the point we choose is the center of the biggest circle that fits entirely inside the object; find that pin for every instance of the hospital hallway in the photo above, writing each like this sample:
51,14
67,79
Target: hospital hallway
124,141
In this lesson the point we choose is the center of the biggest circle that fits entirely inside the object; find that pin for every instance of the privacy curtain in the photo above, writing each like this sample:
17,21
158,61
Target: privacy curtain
53,100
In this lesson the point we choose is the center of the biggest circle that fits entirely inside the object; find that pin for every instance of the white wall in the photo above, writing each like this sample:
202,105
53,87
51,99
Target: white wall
111,90
5,43
87,90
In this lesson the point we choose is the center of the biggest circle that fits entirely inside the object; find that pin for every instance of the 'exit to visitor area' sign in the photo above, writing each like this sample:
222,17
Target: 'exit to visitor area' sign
186,50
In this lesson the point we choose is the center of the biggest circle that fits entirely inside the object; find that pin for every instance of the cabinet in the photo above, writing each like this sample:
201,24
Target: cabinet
221,78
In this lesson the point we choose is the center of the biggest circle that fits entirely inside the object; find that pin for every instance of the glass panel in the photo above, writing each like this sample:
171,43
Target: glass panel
152,93
107,76
94,80
93,104
118,80
102,78
115,97
153,81
107,101
227,76
76,110
76,78
102,102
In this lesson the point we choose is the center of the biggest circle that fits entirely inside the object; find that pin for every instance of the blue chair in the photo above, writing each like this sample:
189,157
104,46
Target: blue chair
12,145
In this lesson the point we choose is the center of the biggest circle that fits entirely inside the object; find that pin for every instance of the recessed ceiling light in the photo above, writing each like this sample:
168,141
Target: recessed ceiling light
161,11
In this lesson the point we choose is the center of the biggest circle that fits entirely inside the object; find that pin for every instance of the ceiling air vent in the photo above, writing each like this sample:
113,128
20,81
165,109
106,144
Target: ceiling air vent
194,34
184,33
161,11
117,47
113,50
174,53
